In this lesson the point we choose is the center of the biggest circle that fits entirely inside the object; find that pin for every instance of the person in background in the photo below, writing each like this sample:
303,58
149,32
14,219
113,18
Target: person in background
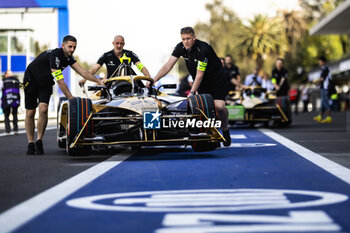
294,95
334,102
10,100
280,81
185,85
279,78
233,76
324,81
253,79
333,96
266,83
305,97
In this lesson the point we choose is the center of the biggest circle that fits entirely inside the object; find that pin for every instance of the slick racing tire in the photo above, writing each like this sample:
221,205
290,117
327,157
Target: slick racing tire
61,131
204,146
205,103
79,110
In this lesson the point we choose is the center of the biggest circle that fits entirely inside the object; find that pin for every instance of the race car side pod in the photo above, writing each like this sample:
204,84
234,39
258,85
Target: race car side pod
82,129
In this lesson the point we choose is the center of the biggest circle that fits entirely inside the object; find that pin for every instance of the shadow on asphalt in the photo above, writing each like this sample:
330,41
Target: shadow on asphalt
303,122
145,153
172,153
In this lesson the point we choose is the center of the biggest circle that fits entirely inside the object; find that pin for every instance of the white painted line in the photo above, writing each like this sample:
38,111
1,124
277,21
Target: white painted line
247,145
23,131
27,210
333,168
238,136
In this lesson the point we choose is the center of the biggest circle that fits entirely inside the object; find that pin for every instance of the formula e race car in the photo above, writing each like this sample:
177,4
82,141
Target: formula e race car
255,104
125,112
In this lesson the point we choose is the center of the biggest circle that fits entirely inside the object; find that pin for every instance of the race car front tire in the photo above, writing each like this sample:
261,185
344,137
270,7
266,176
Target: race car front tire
79,110
61,131
205,103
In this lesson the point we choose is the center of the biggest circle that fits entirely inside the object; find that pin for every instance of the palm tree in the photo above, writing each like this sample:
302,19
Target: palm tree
295,29
263,36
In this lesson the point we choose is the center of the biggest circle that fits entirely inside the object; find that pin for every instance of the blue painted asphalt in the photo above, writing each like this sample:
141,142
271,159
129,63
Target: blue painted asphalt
264,168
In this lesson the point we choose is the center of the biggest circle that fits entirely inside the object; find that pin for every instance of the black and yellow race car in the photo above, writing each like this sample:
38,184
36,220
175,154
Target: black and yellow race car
125,112
255,104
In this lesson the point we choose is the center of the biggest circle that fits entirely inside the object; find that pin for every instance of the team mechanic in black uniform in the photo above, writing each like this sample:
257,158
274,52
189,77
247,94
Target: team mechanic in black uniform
206,69
233,76
112,59
38,81
279,78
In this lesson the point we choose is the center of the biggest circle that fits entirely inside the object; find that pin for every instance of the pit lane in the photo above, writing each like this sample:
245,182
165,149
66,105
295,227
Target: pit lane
257,161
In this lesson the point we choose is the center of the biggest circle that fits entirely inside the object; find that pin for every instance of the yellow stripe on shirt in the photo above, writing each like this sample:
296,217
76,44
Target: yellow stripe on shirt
57,75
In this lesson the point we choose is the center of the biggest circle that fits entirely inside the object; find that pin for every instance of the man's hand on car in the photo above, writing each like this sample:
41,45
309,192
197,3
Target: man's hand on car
82,82
148,85
102,82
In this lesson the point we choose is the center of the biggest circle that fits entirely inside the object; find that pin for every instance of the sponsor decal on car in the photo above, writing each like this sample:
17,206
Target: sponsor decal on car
152,120
191,123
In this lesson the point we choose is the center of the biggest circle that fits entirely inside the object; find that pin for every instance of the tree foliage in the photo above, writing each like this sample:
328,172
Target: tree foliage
334,47
221,29
263,38
317,9
295,29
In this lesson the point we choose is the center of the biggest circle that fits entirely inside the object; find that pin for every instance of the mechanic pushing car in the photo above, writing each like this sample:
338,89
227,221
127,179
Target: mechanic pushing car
206,69
112,59
38,81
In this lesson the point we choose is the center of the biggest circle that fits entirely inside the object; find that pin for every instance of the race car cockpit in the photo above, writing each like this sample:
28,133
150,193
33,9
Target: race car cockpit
121,87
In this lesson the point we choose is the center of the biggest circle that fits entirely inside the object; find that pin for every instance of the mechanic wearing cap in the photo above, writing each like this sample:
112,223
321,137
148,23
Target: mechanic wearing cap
38,81
207,72
113,57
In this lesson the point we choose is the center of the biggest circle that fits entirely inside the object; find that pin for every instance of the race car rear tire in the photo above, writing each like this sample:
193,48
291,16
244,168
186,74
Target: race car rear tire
205,103
204,146
61,131
79,110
